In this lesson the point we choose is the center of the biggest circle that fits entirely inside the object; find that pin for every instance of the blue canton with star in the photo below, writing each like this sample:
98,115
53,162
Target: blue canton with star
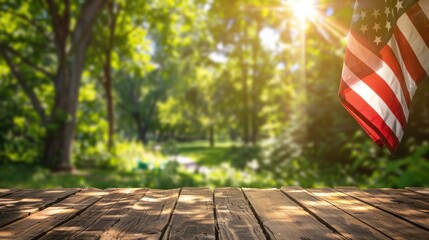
374,20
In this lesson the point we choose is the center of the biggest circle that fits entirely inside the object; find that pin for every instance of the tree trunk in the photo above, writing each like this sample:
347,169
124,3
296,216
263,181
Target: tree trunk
109,101
211,136
108,73
245,111
142,133
59,136
255,92
141,128
61,128
245,94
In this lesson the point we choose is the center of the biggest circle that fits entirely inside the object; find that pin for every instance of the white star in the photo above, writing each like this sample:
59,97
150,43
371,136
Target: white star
363,28
399,5
387,11
376,27
388,26
363,15
377,40
376,13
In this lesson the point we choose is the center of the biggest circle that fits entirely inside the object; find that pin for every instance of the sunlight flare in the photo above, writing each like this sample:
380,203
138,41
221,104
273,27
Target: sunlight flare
303,9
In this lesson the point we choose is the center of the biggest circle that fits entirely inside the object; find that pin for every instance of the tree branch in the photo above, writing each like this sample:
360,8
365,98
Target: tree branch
45,45
89,12
27,89
28,62
30,22
112,22
60,31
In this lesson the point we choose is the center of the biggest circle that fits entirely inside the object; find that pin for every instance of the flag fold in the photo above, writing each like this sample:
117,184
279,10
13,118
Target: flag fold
387,57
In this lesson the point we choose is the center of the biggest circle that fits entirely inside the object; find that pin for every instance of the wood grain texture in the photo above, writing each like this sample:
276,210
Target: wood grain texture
234,216
193,217
394,201
20,204
283,219
148,218
99,217
5,192
343,223
389,224
420,190
228,213
38,224
411,198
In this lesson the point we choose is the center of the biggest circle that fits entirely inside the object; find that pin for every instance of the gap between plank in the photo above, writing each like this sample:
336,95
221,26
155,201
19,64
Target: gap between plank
117,220
10,192
313,214
415,190
369,225
41,208
166,228
68,219
261,224
384,210
215,215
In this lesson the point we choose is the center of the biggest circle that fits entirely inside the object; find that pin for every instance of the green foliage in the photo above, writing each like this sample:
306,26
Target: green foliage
185,72
21,137
243,156
31,176
377,168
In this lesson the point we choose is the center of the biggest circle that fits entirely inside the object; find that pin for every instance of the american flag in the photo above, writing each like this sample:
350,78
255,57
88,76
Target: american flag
386,59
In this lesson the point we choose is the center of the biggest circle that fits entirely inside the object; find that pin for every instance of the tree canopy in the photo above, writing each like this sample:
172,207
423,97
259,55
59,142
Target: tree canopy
81,80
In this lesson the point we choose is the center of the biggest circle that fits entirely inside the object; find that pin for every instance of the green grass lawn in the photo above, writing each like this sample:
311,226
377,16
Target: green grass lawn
204,155
218,159
21,175
13,175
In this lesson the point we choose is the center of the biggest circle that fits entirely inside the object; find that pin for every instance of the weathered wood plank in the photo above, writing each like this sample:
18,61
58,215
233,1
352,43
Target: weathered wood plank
99,217
234,216
6,192
20,204
387,223
421,190
345,224
147,219
411,198
392,201
39,223
283,219
193,217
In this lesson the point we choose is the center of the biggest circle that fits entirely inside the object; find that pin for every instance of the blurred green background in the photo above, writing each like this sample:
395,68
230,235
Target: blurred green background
174,93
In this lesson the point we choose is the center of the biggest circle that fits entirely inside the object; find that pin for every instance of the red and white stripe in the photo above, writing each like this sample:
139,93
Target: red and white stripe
377,89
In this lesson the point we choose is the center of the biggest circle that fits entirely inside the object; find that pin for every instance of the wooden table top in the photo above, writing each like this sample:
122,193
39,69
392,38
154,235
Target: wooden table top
225,213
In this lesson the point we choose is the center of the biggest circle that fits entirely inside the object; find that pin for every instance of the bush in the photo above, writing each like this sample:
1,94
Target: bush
125,156
243,155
